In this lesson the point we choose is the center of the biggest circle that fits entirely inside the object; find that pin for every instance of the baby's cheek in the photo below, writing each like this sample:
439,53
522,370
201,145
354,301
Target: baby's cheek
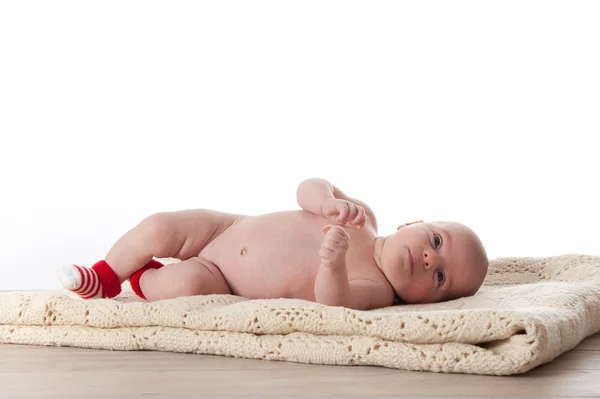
415,292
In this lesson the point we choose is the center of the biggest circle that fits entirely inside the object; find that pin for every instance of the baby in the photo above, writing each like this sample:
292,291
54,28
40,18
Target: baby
328,252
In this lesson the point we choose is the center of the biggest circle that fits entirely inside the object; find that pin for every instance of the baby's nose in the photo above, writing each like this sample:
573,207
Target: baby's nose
429,259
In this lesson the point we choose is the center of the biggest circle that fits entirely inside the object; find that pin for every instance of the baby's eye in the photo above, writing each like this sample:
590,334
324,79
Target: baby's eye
441,277
437,241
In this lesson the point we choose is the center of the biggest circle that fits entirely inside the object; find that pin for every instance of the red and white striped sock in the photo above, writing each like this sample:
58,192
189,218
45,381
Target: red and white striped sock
99,281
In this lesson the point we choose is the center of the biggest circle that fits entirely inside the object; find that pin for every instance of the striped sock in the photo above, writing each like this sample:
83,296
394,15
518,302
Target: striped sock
99,281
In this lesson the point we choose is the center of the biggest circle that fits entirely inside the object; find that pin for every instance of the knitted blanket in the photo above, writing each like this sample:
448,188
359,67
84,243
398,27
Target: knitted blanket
529,311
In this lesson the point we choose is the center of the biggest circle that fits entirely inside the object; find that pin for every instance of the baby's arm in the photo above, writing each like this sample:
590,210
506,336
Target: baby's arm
332,287
322,198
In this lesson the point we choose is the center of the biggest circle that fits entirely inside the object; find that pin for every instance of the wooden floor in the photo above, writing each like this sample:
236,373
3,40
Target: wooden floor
30,372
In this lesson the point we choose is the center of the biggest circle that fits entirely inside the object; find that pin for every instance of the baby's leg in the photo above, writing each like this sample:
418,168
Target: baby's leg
179,235
195,276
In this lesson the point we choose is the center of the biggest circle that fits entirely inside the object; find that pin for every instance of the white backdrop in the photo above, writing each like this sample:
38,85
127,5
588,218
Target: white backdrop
481,112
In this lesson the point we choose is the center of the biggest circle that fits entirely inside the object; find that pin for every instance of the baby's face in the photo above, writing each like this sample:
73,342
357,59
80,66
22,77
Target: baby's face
433,262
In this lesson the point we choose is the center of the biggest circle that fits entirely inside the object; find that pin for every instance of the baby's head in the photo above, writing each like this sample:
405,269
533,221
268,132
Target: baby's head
433,262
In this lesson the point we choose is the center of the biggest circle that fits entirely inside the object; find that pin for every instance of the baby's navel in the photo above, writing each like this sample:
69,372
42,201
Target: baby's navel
243,251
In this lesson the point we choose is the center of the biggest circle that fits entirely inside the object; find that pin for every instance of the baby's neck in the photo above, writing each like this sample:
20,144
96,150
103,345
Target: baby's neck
379,245
377,250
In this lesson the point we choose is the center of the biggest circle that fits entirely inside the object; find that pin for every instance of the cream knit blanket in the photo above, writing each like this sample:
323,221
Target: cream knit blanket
529,311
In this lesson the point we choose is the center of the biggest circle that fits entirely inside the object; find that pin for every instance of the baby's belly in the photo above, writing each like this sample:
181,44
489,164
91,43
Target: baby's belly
270,256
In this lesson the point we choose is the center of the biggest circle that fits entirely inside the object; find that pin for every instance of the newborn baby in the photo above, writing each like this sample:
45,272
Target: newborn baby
328,252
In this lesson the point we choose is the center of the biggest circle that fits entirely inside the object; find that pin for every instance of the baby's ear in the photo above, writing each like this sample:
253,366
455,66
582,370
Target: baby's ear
409,223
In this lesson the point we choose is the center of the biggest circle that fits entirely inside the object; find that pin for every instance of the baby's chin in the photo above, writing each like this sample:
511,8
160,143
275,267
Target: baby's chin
412,297
414,301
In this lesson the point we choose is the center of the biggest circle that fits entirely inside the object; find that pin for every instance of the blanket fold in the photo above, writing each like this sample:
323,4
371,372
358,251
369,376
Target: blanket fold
528,312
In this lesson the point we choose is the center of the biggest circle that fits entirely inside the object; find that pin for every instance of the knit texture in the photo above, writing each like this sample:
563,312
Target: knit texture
529,311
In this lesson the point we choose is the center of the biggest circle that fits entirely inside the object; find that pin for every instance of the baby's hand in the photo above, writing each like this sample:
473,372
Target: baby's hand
344,212
334,247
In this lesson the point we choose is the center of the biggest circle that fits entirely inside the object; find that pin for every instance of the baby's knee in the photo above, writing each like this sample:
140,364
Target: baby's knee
159,226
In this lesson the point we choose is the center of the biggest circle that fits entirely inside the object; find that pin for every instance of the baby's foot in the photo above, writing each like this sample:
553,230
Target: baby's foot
83,281
334,246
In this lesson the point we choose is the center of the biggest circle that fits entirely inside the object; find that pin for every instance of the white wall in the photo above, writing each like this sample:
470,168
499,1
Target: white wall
481,112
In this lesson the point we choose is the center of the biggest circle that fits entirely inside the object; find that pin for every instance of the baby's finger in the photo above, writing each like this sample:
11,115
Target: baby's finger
335,246
334,238
353,210
361,223
339,233
329,245
343,209
356,223
364,220
359,215
326,253
335,231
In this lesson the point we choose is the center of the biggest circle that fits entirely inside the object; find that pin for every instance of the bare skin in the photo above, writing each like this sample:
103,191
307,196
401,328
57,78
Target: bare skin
328,252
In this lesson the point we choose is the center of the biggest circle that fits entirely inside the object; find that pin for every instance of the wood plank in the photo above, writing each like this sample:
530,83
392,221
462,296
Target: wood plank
27,371
328,381
591,343
575,360
39,359
50,372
